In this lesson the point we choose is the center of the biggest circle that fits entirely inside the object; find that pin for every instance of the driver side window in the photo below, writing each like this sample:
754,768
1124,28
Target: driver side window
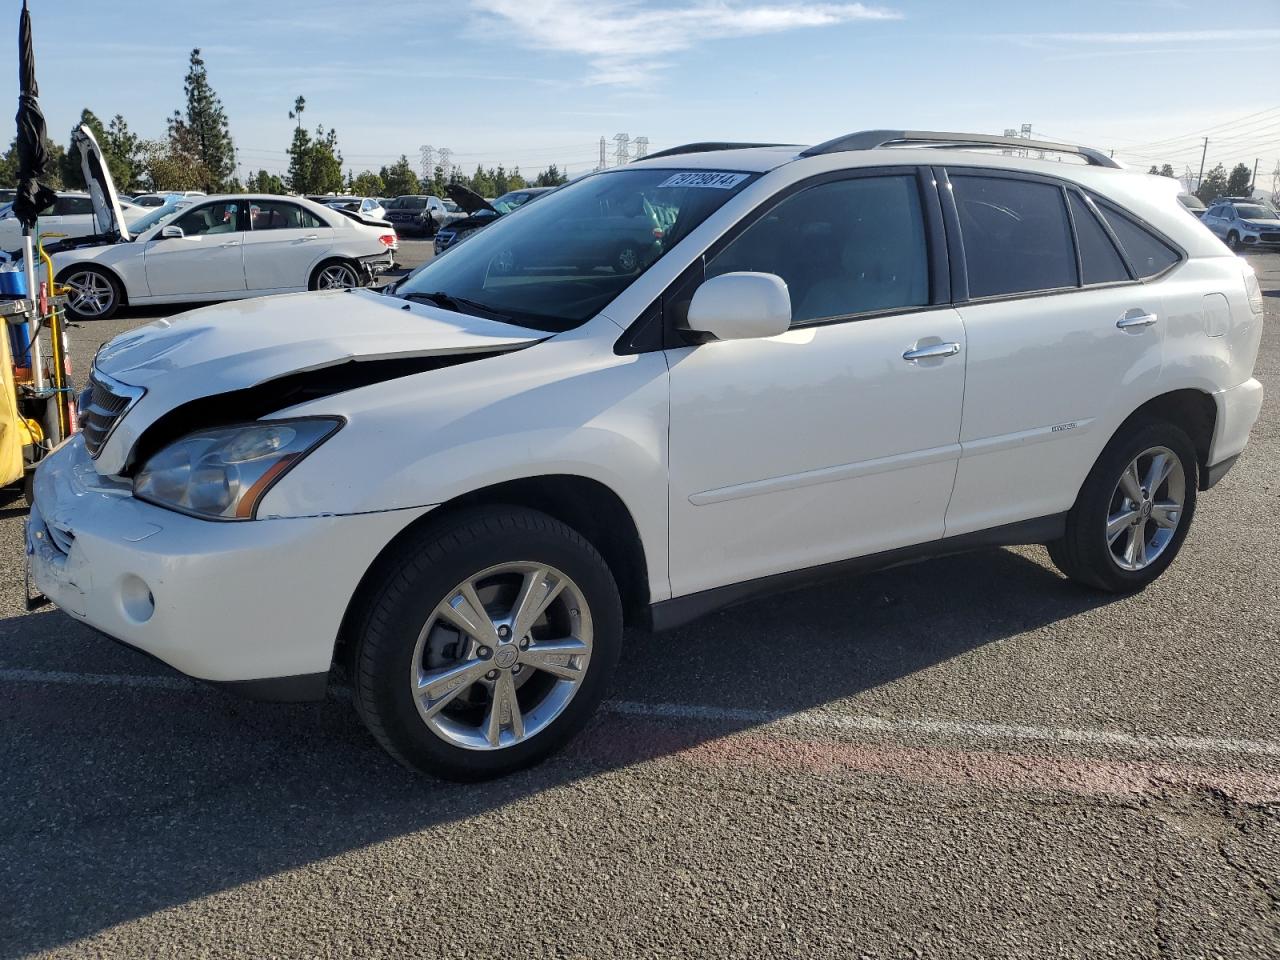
211,218
842,248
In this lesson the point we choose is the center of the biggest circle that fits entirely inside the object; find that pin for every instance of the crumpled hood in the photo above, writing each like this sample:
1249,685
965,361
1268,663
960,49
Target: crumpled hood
240,344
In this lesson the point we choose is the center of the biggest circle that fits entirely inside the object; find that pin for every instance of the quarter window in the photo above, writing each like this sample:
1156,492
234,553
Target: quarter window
1016,236
1099,259
273,215
1147,252
845,247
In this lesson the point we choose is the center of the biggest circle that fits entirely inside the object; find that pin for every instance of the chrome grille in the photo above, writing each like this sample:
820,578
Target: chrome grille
101,407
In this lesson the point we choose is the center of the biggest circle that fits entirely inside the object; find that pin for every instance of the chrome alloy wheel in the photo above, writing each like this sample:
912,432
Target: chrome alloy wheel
337,276
1146,508
501,656
90,294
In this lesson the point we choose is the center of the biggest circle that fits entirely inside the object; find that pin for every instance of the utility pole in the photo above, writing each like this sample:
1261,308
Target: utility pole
1253,181
604,161
1203,154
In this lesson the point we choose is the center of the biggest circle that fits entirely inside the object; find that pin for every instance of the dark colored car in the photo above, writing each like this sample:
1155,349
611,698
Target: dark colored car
480,212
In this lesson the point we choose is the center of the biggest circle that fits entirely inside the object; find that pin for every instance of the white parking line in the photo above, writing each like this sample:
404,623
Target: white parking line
822,721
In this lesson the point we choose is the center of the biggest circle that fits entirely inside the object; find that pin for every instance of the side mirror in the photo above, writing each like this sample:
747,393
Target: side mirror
741,306
172,232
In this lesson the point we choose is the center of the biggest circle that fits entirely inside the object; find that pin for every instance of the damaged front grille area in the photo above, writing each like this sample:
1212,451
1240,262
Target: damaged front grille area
101,407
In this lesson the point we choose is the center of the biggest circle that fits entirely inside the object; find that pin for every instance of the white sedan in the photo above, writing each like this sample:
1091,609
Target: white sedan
70,215
223,248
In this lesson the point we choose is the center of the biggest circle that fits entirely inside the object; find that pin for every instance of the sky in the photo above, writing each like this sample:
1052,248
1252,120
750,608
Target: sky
531,82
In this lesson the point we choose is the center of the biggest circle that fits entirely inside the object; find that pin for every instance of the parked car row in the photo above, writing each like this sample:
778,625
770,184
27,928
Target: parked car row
479,212
422,214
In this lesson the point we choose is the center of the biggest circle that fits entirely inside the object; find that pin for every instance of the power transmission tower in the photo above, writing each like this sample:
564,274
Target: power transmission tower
620,153
604,160
444,155
642,147
428,154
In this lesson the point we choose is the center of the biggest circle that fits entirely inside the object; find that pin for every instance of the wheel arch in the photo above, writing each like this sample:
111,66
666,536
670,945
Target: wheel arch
1191,409
101,268
587,505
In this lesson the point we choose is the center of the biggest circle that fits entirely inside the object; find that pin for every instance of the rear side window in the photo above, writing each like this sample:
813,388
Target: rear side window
1147,252
1099,260
1016,236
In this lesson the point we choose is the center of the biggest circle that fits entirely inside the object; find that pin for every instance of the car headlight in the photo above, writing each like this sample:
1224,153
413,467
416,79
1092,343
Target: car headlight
223,473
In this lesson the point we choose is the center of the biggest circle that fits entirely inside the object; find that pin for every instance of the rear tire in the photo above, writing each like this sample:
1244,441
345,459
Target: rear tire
335,275
1121,534
428,687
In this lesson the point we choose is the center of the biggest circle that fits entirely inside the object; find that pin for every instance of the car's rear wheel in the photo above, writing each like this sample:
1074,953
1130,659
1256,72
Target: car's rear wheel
92,294
627,259
335,275
1134,510
488,642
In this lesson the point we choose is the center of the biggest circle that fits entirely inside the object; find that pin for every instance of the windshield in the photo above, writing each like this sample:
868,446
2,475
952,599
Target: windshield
1253,211
554,264
154,216
411,203
509,201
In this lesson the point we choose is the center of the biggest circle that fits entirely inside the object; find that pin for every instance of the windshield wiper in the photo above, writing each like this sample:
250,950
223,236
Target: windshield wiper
457,304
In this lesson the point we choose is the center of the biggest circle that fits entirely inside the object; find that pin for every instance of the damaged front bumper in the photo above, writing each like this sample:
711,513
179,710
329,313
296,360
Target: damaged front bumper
253,604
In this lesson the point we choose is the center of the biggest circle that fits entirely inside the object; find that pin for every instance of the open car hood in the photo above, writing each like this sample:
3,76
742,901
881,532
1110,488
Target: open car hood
467,200
237,346
102,189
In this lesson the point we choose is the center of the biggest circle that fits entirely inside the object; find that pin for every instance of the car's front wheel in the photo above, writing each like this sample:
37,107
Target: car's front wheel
1233,240
487,643
1133,511
92,294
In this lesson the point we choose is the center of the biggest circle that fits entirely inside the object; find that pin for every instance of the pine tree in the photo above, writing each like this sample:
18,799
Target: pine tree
207,127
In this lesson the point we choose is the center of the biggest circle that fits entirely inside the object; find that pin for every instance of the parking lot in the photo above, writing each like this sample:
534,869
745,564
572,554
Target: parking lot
964,757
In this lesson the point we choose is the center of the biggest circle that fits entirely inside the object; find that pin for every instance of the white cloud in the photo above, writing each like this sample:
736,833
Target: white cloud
625,40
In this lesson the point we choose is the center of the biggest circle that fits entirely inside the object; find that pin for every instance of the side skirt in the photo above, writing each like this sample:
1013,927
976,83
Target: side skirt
676,612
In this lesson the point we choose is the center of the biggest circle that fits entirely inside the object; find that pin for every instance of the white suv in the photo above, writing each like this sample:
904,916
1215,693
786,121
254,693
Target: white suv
821,360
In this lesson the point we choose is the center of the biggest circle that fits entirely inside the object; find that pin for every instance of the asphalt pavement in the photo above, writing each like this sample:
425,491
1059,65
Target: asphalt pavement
969,757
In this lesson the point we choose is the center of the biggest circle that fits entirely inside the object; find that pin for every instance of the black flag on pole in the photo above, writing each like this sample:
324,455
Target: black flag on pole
33,153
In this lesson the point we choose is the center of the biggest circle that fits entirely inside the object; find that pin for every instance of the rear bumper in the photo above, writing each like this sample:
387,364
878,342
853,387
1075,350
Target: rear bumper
1238,410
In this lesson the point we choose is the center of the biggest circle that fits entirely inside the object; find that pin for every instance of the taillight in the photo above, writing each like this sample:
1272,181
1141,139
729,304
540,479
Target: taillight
387,239
1252,289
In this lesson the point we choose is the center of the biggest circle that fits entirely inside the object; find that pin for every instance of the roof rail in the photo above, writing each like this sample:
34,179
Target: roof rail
872,139
706,148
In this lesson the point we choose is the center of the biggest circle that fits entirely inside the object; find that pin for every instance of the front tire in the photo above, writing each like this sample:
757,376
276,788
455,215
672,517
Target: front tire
1134,510
1233,241
92,294
487,643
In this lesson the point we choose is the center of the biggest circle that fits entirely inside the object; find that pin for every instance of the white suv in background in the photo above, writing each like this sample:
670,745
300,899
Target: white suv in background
834,358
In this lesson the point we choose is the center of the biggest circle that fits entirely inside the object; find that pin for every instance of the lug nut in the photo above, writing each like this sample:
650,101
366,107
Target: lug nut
491,675
484,653
517,668
524,644
504,632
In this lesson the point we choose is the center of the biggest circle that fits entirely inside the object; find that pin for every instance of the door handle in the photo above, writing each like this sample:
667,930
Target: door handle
230,243
310,236
1134,319
934,351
